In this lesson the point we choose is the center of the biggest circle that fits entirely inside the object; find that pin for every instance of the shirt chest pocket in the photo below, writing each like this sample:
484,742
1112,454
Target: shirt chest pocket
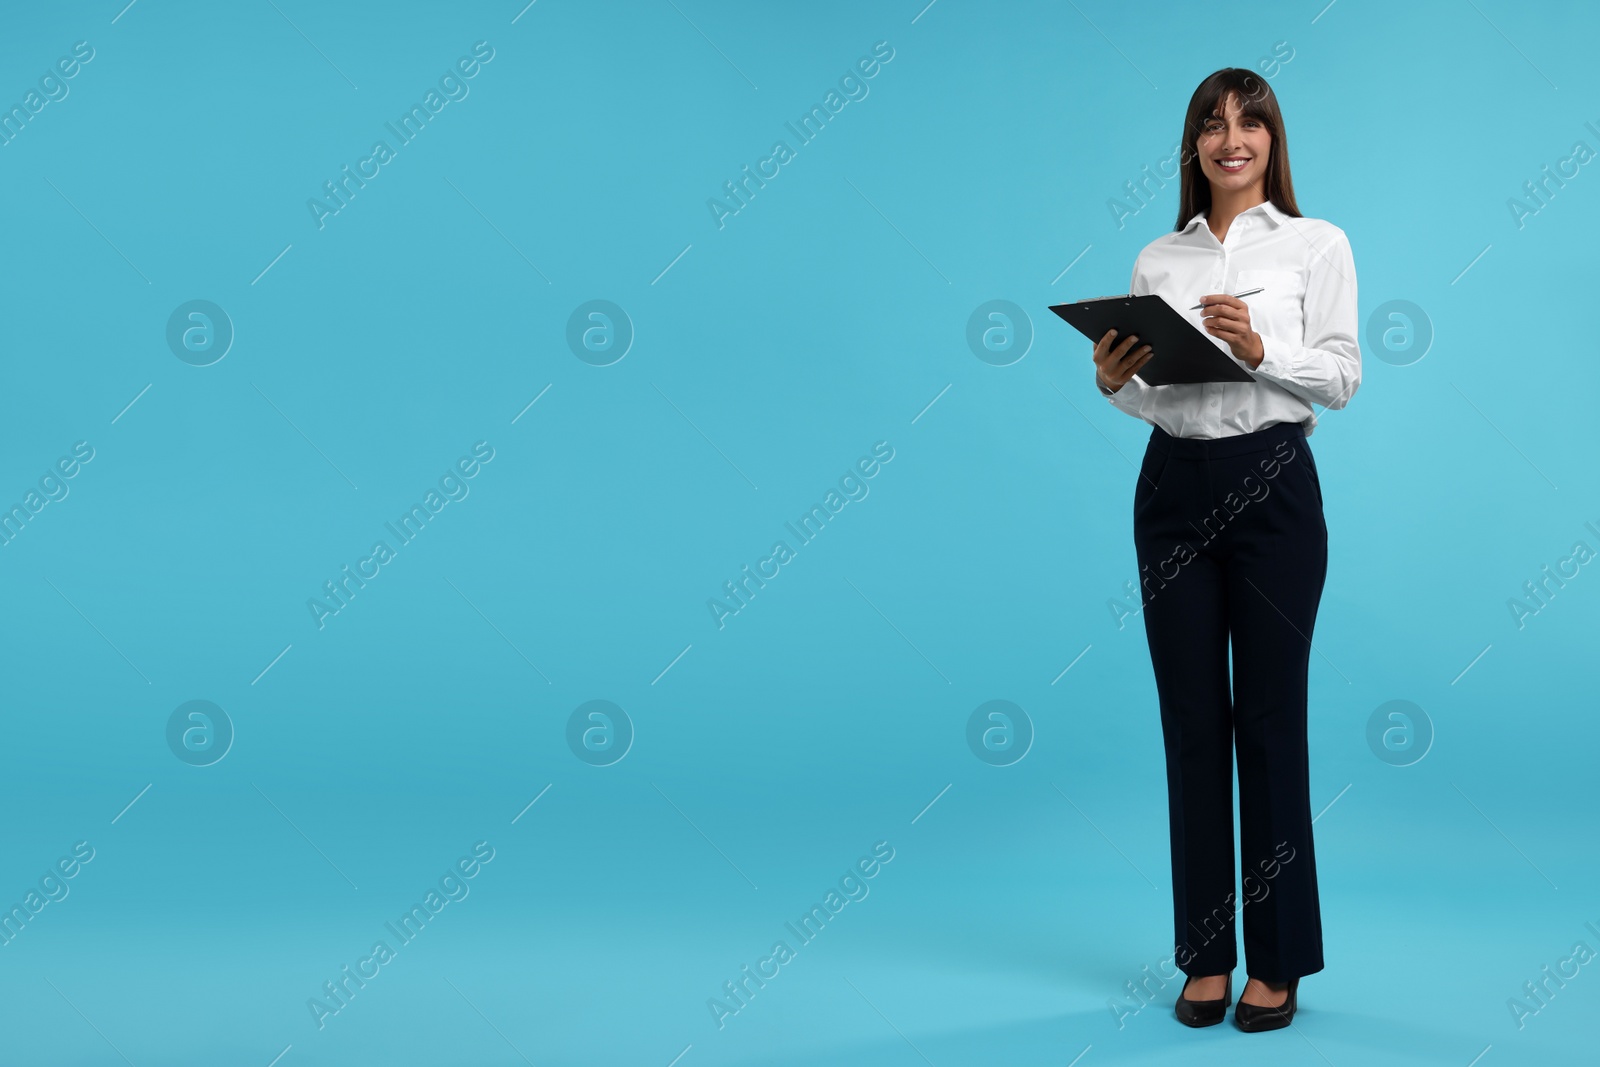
1279,309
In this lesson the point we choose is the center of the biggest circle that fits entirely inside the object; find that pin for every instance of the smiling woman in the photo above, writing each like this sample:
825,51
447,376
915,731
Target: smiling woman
1230,633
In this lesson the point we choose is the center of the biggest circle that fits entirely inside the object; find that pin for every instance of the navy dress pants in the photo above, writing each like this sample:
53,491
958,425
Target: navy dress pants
1233,552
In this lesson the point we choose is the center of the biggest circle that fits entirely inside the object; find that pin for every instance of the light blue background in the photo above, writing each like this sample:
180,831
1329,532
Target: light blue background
824,317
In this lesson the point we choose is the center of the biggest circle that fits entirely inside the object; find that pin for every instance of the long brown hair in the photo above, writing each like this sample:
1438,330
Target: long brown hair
1256,101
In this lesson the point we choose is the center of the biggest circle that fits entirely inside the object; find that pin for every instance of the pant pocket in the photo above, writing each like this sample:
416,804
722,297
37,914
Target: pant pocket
1154,466
1311,472
1151,469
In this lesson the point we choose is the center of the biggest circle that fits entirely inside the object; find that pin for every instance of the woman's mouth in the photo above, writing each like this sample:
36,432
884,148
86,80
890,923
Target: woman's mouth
1233,163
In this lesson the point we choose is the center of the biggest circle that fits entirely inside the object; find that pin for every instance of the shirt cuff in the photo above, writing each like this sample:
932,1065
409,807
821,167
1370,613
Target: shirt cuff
1127,398
1277,358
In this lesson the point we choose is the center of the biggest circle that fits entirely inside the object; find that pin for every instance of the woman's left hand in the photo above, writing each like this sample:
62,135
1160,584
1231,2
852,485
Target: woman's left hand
1228,317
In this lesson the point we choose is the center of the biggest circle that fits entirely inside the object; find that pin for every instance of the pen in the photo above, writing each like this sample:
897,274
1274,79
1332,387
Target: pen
1247,292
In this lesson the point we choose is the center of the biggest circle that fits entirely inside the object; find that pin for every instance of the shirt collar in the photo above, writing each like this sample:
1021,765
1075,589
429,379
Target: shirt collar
1266,208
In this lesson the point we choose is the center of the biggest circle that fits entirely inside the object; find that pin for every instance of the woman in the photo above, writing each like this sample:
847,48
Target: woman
1232,548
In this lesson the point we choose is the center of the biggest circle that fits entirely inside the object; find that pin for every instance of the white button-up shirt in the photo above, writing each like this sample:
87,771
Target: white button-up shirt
1306,316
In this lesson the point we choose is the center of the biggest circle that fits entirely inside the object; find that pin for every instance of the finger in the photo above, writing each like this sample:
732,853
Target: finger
1105,348
1135,359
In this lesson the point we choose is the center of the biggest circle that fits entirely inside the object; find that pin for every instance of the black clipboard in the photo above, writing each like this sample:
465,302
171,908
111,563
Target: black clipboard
1183,354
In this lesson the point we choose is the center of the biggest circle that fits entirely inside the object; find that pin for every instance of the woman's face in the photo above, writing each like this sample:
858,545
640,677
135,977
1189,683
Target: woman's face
1233,148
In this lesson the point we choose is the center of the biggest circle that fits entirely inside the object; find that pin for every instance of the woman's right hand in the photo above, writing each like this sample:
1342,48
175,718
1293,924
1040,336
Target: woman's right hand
1115,363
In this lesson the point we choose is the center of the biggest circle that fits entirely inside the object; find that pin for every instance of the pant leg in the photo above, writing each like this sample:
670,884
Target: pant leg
1185,598
1276,568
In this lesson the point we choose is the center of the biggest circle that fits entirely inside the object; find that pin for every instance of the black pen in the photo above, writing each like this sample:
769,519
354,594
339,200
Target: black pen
1247,292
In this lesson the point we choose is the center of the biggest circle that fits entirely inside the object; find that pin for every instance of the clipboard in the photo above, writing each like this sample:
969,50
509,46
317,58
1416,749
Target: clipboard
1183,355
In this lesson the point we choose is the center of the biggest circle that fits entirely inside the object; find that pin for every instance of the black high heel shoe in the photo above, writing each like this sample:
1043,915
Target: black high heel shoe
1254,1018
1204,1012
